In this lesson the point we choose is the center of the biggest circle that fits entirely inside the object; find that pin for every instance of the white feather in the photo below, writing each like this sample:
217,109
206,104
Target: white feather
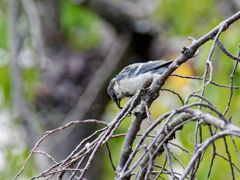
131,85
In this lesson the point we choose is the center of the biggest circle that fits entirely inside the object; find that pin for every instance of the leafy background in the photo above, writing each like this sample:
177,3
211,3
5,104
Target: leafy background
175,20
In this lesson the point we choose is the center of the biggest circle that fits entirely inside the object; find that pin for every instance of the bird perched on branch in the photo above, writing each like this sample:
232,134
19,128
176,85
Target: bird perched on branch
131,78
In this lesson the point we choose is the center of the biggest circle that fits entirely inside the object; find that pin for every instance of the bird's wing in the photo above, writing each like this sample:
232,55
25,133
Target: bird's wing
151,65
128,71
141,68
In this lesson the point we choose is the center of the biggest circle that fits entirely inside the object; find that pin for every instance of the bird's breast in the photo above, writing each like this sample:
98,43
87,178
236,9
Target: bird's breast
129,86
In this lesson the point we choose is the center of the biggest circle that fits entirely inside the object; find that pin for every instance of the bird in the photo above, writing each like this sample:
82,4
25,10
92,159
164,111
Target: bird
127,82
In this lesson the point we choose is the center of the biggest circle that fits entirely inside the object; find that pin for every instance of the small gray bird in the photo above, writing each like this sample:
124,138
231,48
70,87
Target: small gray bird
131,78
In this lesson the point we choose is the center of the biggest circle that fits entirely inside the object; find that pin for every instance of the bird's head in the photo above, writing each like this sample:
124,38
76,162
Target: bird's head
115,92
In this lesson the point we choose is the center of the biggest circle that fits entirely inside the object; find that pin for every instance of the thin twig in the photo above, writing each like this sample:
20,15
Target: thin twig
180,147
78,166
200,78
110,157
228,161
169,160
229,157
208,62
178,95
196,164
163,167
45,154
200,97
213,152
180,162
149,169
38,143
231,89
48,170
122,135
77,122
148,118
221,46
204,145
236,149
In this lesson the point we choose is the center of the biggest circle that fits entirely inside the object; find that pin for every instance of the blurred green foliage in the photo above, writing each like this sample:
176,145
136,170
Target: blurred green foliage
177,19
79,25
178,16
15,156
3,31
30,78
5,85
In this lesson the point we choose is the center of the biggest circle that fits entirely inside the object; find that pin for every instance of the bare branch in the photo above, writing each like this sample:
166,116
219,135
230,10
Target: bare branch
200,78
142,157
228,161
130,137
110,157
163,167
205,144
222,26
169,160
180,162
45,154
221,46
191,50
231,90
180,148
229,157
148,117
178,95
213,152
236,149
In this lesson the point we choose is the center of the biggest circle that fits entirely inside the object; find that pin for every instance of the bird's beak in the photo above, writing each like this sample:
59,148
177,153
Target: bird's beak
118,103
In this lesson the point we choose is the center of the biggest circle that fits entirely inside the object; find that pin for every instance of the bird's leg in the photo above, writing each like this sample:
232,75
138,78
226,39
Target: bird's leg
148,94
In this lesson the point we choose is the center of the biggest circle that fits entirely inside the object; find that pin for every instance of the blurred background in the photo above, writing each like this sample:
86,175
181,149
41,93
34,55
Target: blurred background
57,57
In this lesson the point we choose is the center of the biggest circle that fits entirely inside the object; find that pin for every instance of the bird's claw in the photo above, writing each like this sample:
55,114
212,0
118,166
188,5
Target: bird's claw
147,94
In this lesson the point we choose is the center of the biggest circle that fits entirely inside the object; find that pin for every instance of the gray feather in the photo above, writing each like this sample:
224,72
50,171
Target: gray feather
133,70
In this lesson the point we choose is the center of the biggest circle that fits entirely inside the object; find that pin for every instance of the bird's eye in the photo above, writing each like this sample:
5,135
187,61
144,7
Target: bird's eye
114,96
